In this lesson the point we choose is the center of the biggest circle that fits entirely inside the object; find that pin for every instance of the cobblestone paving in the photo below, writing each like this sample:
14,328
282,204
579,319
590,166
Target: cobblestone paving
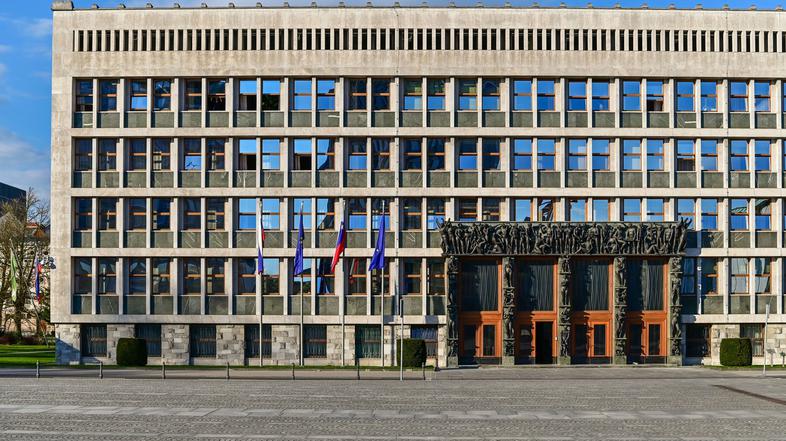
499,404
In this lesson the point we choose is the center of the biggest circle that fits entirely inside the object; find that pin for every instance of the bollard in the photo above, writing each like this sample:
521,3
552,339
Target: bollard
357,369
423,368
293,371
227,370
37,370
163,371
100,370
436,364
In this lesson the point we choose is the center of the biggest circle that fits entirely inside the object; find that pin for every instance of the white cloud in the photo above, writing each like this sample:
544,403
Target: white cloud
23,165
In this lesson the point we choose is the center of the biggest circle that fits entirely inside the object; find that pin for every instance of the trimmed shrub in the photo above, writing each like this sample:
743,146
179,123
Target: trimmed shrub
131,352
414,352
736,352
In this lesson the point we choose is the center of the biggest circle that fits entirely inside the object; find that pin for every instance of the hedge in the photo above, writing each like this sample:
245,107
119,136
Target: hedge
131,352
736,352
414,352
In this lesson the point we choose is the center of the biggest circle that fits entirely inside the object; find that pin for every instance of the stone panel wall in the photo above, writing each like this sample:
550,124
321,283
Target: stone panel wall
113,334
67,344
284,344
175,344
334,345
230,340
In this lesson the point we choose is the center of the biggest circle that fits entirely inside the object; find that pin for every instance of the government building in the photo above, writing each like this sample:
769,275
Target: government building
558,185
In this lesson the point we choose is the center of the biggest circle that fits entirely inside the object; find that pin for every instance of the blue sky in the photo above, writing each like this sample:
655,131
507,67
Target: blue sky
25,66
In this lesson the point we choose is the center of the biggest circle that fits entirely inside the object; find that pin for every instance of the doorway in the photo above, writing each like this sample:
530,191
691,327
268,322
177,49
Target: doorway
543,343
590,343
479,344
645,342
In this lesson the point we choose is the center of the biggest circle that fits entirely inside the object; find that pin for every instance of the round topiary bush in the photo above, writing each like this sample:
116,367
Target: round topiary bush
131,352
736,352
414,352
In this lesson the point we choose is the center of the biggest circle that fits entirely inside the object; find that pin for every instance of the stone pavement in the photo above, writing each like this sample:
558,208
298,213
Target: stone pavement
504,404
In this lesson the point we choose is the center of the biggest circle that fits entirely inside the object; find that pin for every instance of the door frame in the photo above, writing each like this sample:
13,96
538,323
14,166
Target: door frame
481,318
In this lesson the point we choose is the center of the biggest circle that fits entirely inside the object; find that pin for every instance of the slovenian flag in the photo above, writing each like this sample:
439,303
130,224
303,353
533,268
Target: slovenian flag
341,245
260,245
38,269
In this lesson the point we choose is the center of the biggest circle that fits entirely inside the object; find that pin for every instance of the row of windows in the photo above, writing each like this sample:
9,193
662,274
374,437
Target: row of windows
470,94
210,213
483,39
305,154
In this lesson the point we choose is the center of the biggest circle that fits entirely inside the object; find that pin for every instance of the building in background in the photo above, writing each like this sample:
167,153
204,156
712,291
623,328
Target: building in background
566,144
8,193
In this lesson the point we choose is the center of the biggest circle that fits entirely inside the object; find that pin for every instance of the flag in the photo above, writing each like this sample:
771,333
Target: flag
14,270
260,245
299,251
378,259
341,245
38,269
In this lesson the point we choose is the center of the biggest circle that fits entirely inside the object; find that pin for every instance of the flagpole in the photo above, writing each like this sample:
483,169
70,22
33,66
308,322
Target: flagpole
382,296
261,298
301,319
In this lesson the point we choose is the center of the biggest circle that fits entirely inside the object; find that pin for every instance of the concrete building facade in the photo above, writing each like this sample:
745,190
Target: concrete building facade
175,129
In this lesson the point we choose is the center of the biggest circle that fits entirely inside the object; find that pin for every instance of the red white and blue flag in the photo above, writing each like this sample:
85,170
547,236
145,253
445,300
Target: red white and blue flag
38,270
341,245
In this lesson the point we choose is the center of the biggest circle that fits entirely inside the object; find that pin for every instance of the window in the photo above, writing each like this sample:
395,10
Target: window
315,341
216,95
738,151
161,275
137,214
357,155
600,154
357,213
93,341
161,154
655,210
301,206
761,96
547,152
468,154
152,336
412,154
83,155
326,213
436,94
193,95
686,209
761,276
325,279
754,331
709,155
107,213
411,214
412,276
302,155
380,154
577,210
246,277
107,154
522,154
601,210
490,209
326,154
138,95
709,276
84,96
547,210
709,214
491,154
577,95
192,214
761,150
162,212
202,340
271,94
546,94
107,276
83,214
247,95
522,210
436,154
358,94
83,276
685,96
738,212
600,96
709,96
271,154
467,94
247,154
686,158
108,98
304,279
380,94
380,208
270,282
192,276
631,96
271,214
162,95
739,275
631,154
215,154
429,335
435,212
631,210
654,96
214,272
356,276
137,154
137,274
436,276
192,154
490,94
413,94
246,214
577,154
522,94
763,215
738,96
655,155
301,95
467,209
326,94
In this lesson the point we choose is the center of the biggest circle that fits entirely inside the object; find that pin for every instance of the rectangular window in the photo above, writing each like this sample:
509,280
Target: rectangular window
271,95
83,276
763,215
356,276
413,94
490,94
546,95
247,95
467,94
738,96
326,95
709,155
315,341
738,269
686,209
246,214
467,154
83,155
436,94
107,214
357,156
247,154
192,214
326,154
380,89
435,283
162,213
685,96
577,210
83,214
161,154
192,276
107,276
654,96
761,96
358,94
161,276
137,214
325,279
151,334
754,331
108,98
522,210
577,95
738,214
137,275
301,95
301,206
655,210
686,156
709,96
192,154
631,154
107,154
429,335
522,94
738,155
709,214
216,95
436,154
600,96
162,95
271,213
435,212
357,213
326,213
380,154
490,209
93,340
547,152
411,213
412,276
216,154
577,154
762,152
84,96
709,276
137,154
631,96
137,95
301,154
601,210
412,154
522,154
246,277
214,272
377,213
491,154
271,154
467,209
202,341
193,95
631,210
600,154
655,160
547,210
761,276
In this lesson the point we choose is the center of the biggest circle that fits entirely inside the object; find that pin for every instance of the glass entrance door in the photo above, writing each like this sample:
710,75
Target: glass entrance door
489,341
468,344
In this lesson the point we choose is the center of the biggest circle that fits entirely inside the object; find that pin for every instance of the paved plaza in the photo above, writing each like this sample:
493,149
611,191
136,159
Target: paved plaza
505,404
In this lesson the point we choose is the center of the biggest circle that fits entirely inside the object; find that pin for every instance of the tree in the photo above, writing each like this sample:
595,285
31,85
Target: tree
24,231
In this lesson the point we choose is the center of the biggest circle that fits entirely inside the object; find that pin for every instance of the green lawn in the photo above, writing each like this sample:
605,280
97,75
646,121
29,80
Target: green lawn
26,356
